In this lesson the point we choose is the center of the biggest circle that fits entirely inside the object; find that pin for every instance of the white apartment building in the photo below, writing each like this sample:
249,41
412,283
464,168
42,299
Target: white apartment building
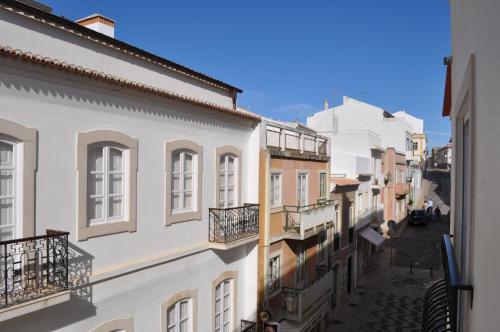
123,184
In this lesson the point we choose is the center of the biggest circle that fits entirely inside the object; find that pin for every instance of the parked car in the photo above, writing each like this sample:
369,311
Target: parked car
418,217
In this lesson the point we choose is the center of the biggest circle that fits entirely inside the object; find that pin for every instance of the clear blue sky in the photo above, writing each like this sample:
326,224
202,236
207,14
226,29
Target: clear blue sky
288,56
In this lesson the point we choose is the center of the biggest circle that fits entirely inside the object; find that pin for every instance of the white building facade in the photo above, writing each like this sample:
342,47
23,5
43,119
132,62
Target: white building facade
147,165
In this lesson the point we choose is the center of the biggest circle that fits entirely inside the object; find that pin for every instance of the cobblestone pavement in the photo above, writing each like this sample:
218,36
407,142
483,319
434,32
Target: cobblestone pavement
389,297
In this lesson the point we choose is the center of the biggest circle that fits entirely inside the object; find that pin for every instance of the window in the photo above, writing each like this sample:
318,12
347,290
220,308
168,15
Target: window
302,189
275,190
179,316
351,214
183,170
360,204
182,182
337,219
106,183
227,181
300,267
117,325
9,220
322,185
223,306
18,155
415,146
273,283
322,247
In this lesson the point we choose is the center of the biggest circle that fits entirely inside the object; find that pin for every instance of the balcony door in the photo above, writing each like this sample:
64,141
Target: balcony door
9,214
302,189
227,181
300,268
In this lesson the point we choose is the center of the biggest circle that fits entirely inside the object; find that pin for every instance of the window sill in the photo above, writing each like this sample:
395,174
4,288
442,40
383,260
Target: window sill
34,305
182,217
114,227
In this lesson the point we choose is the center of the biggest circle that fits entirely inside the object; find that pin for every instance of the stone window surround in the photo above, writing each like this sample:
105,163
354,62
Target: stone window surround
84,139
222,277
184,294
171,147
28,137
237,154
126,324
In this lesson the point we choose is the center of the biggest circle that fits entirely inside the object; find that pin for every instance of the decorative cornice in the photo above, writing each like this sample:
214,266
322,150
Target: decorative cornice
38,59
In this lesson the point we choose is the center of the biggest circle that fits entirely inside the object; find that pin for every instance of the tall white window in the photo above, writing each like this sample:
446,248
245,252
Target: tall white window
300,267
275,190
337,219
322,185
223,306
228,179
182,181
105,183
351,214
273,282
302,189
179,316
9,225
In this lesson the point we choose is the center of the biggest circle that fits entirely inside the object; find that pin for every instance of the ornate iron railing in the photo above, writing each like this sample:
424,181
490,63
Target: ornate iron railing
233,224
440,310
351,234
336,241
33,267
248,326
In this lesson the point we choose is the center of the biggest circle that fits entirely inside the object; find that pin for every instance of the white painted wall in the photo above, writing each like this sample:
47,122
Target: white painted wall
32,36
415,125
60,105
475,28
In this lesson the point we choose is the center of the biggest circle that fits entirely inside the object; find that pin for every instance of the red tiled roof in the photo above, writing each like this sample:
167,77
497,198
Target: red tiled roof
56,64
447,92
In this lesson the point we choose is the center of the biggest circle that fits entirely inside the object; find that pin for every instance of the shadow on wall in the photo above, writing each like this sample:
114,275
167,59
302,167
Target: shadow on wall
78,308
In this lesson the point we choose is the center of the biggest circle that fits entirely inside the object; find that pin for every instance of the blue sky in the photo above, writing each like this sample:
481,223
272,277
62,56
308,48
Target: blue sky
288,56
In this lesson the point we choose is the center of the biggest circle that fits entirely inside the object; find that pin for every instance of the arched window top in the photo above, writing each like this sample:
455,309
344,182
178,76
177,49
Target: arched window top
107,137
179,313
118,325
183,145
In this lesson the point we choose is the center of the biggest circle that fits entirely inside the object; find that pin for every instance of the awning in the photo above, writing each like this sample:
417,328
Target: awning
370,235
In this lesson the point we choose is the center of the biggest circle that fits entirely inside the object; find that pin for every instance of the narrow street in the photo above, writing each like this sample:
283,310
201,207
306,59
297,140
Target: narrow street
389,297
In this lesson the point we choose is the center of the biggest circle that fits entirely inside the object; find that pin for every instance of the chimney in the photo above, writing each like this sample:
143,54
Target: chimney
325,105
99,23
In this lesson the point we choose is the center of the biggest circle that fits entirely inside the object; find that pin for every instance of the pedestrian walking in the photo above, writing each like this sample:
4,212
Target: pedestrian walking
430,204
437,213
425,206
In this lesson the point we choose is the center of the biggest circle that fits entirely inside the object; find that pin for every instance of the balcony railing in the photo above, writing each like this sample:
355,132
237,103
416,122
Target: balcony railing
402,188
248,326
299,303
304,220
233,224
351,234
440,311
32,268
290,139
336,241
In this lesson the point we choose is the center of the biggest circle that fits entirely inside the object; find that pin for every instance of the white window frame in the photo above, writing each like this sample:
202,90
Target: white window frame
176,325
338,218
182,178
275,177
300,267
16,225
221,308
106,174
226,186
322,183
300,201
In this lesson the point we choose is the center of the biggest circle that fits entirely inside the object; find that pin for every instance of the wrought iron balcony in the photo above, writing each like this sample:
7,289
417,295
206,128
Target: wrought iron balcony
231,226
440,308
305,221
248,326
33,268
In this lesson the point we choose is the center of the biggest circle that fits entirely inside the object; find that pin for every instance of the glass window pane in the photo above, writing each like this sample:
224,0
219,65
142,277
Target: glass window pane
6,154
222,163
226,316
188,163
115,160
184,326
95,160
183,309
116,183
171,315
171,329
6,182
6,211
95,207
176,162
188,200
217,321
6,234
188,182
176,182
95,184
226,286
230,163
175,201
230,194
115,206
230,178
217,291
